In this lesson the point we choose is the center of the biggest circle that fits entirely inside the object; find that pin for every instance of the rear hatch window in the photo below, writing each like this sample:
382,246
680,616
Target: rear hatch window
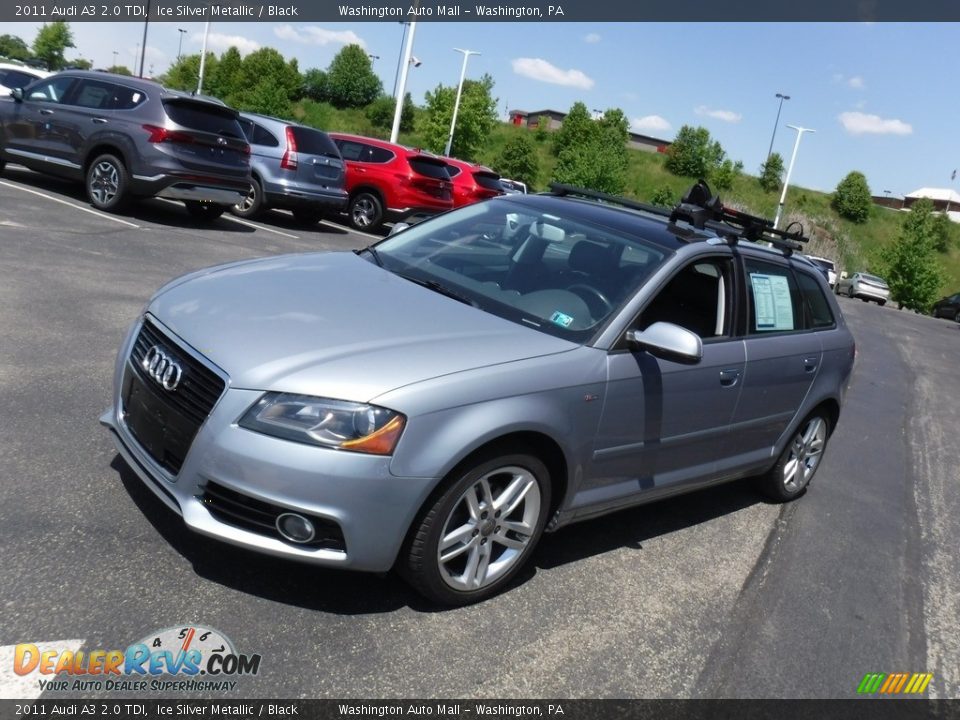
204,117
488,180
314,142
430,167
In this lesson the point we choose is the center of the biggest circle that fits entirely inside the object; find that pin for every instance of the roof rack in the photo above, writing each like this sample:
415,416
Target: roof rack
702,210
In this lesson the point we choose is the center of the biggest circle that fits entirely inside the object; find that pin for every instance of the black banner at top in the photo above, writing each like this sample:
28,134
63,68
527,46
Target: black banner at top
484,11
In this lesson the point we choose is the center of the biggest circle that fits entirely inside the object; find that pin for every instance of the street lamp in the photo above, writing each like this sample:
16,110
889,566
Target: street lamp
115,53
143,45
203,58
373,57
786,183
776,122
404,70
456,104
180,44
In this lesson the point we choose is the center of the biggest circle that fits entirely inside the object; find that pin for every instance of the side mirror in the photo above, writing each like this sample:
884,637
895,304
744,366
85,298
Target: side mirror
17,94
668,340
398,227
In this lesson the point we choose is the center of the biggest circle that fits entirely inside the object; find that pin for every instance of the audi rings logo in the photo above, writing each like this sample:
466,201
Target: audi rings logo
162,368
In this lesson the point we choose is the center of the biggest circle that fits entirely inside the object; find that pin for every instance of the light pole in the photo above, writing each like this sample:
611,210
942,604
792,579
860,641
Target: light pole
786,183
115,53
456,104
403,40
776,122
143,45
203,58
402,87
180,44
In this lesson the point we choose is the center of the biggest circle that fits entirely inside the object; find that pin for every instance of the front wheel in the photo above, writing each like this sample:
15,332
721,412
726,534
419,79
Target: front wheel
365,211
850,291
474,538
203,210
108,183
881,303
252,204
793,471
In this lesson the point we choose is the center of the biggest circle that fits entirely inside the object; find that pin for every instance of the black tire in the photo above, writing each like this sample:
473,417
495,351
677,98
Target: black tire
3,164
489,554
252,205
107,183
307,217
850,291
208,212
805,448
365,211
956,318
881,303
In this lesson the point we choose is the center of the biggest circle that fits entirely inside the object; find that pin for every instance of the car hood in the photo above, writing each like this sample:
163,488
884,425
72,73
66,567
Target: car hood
335,325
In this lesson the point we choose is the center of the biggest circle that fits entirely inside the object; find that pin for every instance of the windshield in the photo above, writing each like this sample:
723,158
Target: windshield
554,274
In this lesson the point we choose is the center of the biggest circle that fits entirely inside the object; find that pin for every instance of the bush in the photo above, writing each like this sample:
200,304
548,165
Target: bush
723,177
771,173
852,199
518,161
663,196
380,113
576,130
694,154
350,80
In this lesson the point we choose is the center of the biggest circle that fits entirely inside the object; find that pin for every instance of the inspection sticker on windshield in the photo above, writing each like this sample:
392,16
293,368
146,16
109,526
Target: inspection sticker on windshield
559,318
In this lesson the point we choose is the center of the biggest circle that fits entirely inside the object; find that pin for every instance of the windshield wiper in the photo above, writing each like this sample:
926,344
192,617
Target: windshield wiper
442,289
373,253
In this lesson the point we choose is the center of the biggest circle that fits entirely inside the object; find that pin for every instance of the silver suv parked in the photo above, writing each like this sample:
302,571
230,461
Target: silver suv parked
125,137
437,401
293,167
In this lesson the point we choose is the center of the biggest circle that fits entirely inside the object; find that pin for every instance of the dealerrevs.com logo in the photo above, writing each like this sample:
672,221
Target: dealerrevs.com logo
187,658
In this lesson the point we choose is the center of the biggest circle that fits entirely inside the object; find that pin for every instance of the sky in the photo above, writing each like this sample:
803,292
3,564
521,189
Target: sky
881,97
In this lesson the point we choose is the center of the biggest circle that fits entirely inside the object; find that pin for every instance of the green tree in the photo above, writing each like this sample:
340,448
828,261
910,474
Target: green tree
728,171
476,118
911,264
543,128
380,113
14,47
315,85
185,72
518,161
942,232
351,82
694,153
225,78
852,199
51,42
663,196
771,173
267,83
120,70
80,63
576,129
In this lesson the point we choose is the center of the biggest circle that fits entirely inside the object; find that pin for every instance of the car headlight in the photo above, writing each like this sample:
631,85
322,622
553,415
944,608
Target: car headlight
327,423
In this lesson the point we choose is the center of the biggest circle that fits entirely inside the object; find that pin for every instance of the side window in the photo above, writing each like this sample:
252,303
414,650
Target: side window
93,94
51,91
262,136
698,298
126,98
15,78
350,150
378,155
817,313
773,299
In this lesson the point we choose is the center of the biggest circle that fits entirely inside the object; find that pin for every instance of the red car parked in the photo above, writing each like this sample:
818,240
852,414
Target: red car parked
472,183
389,182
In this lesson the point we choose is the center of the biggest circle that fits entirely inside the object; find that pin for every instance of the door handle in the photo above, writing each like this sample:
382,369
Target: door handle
810,364
729,378
98,120
46,112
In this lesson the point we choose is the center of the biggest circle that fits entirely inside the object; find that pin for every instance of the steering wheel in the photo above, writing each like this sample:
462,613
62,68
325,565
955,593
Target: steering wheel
595,299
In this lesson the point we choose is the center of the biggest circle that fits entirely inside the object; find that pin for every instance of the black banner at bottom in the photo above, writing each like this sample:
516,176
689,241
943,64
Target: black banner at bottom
872,709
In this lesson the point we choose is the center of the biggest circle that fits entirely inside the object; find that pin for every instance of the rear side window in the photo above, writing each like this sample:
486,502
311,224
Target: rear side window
93,94
126,98
430,168
262,136
314,142
816,307
361,152
204,117
490,181
453,171
15,78
774,299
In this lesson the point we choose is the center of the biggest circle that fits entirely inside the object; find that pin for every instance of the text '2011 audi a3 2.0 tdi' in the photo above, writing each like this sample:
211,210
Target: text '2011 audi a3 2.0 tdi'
435,402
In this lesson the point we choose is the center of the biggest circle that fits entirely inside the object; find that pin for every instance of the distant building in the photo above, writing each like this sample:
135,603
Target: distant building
944,200
531,120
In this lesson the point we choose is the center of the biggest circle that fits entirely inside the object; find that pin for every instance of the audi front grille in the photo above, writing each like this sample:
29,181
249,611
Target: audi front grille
164,419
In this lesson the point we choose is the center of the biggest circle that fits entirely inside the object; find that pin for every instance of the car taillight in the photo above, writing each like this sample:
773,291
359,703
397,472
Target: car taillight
160,135
289,161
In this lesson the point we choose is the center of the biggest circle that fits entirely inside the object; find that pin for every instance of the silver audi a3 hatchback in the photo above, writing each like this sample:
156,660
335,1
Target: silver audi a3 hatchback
436,402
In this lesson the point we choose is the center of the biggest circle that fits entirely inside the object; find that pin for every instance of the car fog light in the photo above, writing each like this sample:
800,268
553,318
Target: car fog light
295,528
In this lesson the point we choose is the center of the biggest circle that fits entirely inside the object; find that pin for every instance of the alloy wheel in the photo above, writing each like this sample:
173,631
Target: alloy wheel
104,182
806,450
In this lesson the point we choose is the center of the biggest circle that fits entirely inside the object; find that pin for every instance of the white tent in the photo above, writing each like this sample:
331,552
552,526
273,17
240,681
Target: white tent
944,199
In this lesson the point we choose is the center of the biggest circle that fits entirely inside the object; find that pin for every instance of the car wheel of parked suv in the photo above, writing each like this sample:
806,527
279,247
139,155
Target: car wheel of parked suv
366,211
480,531
203,210
252,204
793,471
108,183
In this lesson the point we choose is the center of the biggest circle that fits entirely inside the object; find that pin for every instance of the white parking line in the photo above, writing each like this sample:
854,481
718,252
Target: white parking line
347,227
27,687
73,205
259,227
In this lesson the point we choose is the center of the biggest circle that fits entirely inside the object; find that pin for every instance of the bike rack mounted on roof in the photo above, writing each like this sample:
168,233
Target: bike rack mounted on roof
702,210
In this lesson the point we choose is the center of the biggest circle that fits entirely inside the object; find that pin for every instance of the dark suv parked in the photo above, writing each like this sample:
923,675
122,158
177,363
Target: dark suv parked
389,182
293,167
125,137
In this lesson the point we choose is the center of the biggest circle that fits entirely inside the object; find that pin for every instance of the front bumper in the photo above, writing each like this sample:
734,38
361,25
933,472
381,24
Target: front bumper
357,492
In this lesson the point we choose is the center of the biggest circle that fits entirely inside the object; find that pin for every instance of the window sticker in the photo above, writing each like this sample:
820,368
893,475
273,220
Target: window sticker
771,302
561,319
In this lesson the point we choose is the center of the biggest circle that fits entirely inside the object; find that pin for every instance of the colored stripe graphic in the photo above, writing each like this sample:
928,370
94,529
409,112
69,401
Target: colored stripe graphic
894,683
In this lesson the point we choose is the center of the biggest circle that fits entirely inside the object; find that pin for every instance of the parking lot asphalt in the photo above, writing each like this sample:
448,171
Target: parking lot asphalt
712,594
